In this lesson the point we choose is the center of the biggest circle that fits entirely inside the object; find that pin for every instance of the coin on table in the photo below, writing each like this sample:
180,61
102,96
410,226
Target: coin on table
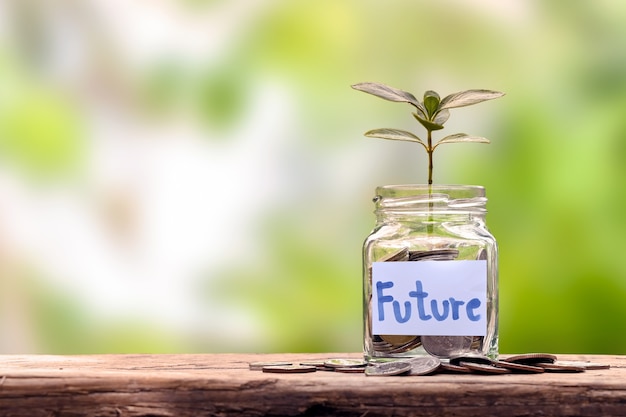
319,364
485,369
448,367
557,366
446,346
519,367
349,369
455,360
585,364
424,365
257,366
291,369
388,368
531,358
344,363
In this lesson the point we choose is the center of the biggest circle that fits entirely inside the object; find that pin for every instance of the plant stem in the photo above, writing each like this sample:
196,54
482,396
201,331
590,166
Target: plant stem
429,227
430,158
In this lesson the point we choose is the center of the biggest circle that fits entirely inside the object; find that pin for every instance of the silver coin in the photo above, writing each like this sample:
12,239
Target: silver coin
585,364
424,365
558,366
388,368
319,364
434,255
447,346
257,366
395,344
477,343
291,369
344,363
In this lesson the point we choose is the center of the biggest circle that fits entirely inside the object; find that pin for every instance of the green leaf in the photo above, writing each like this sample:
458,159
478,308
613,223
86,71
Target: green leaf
430,126
461,137
467,98
394,134
431,102
389,93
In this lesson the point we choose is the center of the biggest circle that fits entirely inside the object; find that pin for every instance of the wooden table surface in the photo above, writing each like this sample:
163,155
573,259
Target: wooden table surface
223,385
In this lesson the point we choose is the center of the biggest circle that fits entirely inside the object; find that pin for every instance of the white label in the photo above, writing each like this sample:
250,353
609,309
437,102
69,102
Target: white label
429,298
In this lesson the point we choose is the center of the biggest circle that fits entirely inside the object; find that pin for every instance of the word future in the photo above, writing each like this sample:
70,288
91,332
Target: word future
429,298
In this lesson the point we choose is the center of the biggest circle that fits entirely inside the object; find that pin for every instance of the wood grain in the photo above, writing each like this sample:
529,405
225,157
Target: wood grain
223,385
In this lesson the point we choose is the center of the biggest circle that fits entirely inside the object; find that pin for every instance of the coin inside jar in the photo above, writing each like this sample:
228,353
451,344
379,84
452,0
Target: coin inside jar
447,346
397,339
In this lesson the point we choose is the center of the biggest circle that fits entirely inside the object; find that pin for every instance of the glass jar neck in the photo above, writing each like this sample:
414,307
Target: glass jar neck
417,200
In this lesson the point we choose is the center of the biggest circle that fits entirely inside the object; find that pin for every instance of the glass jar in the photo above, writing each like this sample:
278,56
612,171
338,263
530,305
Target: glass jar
430,270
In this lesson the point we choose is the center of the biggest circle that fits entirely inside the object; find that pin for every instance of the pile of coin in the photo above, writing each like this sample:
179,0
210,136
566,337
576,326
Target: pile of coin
335,365
528,363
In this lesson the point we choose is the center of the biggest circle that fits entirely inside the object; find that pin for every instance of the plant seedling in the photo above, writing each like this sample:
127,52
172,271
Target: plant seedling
432,113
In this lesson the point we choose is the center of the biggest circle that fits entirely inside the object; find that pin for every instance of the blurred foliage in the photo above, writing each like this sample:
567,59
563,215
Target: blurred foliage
40,129
555,171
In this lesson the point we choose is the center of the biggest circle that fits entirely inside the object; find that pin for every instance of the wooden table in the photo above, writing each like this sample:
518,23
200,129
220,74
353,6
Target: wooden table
223,385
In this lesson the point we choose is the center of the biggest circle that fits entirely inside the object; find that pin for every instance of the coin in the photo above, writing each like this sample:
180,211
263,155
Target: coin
456,360
397,339
433,255
448,367
482,368
519,367
477,343
344,363
350,369
424,365
291,369
531,358
560,367
381,345
586,365
319,364
388,368
257,366
446,346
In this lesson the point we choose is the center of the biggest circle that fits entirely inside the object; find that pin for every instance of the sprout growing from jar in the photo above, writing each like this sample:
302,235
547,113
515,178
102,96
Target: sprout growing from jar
431,113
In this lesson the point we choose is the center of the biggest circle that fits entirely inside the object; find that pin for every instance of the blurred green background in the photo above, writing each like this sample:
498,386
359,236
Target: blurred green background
191,176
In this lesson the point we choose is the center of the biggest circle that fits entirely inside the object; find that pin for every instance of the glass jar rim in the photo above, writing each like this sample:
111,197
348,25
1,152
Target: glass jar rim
420,188
449,198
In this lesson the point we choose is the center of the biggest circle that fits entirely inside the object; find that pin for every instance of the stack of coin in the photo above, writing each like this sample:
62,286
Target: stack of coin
434,255
395,344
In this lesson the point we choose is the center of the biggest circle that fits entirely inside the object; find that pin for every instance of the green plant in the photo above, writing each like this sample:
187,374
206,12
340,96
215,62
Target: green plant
432,113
